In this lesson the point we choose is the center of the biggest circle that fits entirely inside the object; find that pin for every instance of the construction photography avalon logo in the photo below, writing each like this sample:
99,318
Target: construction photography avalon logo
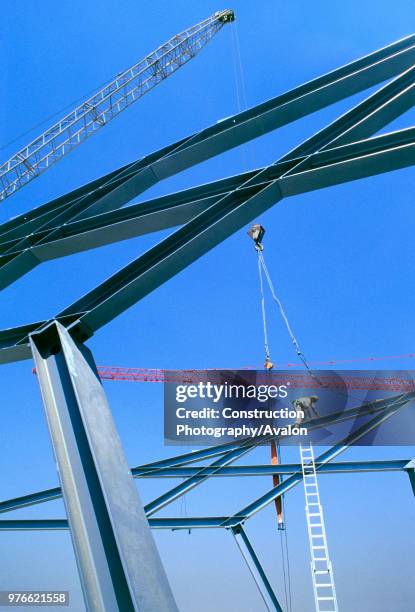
207,306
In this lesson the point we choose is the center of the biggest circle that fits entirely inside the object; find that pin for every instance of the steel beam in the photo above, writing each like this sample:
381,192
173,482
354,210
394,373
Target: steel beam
118,188
21,255
120,291
21,225
236,520
233,131
344,467
365,119
362,121
173,466
256,569
174,523
135,220
31,499
256,196
198,478
117,558
325,457
227,458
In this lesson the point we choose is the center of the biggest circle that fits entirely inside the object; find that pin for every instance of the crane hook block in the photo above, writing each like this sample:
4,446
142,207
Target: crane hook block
257,233
226,16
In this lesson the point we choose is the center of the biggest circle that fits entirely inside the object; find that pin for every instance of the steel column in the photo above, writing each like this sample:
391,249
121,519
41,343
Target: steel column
117,558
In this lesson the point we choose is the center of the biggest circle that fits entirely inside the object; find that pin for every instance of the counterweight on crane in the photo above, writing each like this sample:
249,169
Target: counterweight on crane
110,101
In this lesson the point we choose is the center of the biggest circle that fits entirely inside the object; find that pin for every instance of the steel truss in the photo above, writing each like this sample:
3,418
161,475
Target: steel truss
92,216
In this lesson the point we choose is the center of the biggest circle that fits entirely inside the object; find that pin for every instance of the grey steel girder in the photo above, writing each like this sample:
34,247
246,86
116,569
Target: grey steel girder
209,228
119,564
361,121
259,191
233,131
244,514
267,593
173,466
344,467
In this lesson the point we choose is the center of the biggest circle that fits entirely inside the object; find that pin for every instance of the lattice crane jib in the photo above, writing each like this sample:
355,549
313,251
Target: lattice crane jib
93,114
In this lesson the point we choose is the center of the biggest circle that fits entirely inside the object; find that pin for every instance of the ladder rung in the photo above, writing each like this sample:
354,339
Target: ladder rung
324,584
318,547
322,571
325,598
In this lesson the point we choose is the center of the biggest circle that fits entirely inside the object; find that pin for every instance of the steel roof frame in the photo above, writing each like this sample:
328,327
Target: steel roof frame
90,216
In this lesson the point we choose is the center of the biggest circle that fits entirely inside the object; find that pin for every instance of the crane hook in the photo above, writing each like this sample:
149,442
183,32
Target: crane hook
257,233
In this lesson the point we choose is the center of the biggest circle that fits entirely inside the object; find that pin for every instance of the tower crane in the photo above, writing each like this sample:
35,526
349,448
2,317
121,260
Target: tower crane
94,113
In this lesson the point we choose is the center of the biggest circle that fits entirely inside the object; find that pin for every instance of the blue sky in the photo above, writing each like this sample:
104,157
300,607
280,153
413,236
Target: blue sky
342,259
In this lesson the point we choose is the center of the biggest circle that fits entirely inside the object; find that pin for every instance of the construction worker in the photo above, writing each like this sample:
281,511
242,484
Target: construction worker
306,406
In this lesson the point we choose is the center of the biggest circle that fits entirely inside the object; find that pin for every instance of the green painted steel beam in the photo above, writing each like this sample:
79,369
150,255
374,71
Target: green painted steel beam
173,254
21,254
119,187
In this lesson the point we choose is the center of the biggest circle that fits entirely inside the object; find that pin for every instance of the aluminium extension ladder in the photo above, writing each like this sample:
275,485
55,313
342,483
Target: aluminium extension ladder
321,569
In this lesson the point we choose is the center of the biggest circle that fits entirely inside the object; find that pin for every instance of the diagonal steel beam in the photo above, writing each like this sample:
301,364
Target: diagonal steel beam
344,467
198,478
98,307
179,460
21,225
365,119
19,256
120,186
168,211
173,466
164,212
342,164
123,289
322,465
325,457
257,571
